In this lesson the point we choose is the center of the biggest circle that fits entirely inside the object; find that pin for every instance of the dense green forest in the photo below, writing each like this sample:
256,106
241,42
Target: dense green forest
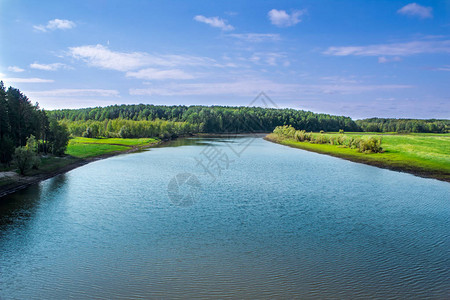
404,125
20,120
26,129
122,128
210,119
172,121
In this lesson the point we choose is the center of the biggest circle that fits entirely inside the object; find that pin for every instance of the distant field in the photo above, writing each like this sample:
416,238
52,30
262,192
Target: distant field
424,154
87,147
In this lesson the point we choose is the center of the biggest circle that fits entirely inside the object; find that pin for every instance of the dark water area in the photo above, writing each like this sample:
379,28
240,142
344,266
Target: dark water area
226,217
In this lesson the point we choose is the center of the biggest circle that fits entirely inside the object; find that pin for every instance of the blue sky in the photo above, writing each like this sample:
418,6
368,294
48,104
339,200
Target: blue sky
354,58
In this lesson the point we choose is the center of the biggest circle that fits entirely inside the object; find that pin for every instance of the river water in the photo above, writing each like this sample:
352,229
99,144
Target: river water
226,217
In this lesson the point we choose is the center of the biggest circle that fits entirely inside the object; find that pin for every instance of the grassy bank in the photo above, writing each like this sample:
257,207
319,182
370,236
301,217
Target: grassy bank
79,152
86,147
426,155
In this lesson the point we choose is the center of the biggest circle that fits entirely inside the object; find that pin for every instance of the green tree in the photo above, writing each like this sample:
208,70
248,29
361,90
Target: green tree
25,157
58,137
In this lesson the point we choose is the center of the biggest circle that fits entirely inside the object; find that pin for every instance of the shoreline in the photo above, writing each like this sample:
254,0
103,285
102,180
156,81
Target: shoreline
22,182
441,176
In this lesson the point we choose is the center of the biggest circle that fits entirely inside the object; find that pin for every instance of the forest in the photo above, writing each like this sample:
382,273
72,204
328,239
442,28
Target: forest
221,119
26,130
404,125
211,119
50,131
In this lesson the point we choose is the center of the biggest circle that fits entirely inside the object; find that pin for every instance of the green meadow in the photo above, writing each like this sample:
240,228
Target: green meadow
422,153
78,149
81,147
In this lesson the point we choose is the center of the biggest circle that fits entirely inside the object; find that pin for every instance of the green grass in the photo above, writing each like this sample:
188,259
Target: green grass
6,181
86,147
115,141
424,154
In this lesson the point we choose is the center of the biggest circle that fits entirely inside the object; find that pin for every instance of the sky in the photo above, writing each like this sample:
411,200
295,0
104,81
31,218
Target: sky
371,58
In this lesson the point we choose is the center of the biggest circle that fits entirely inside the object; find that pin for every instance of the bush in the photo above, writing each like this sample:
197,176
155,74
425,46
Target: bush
369,145
285,131
124,132
88,133
26,157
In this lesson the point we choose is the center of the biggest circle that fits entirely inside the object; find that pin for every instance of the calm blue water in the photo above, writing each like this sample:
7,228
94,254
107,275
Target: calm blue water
257,220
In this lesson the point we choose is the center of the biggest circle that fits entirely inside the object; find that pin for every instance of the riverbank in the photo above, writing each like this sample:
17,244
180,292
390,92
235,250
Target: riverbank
80,151
401,153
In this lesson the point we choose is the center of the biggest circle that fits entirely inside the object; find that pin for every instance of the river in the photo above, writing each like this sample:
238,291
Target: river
226,217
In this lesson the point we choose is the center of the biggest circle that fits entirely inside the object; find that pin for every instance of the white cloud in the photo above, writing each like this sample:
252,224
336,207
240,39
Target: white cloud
231,13
48,67
384,59
416,10
256,37
28,80
55,24
396,49
444,68
281,18
102,57
251,87
340,79
214,22
155,74
15,69
75,93
269,58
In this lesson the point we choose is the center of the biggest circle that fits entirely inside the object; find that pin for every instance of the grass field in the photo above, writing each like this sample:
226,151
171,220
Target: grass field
421,154
86,147
77,150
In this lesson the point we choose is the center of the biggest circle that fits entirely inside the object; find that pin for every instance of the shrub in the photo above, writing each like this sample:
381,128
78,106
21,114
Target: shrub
285,131
300,135
26,157
88,133
124,132
371,145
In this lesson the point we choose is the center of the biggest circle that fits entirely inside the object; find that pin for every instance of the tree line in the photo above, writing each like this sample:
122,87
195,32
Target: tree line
23,124
221,119
213,119
404,125
21,120
122,128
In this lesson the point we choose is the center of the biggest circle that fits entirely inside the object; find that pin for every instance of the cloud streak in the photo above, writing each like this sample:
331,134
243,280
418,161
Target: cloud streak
281,18
104,58
214,22
256,37
54,25
247,88
394,49
416,10
28,80
47,67
15,69
155,74
269,58
75,93
383,59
